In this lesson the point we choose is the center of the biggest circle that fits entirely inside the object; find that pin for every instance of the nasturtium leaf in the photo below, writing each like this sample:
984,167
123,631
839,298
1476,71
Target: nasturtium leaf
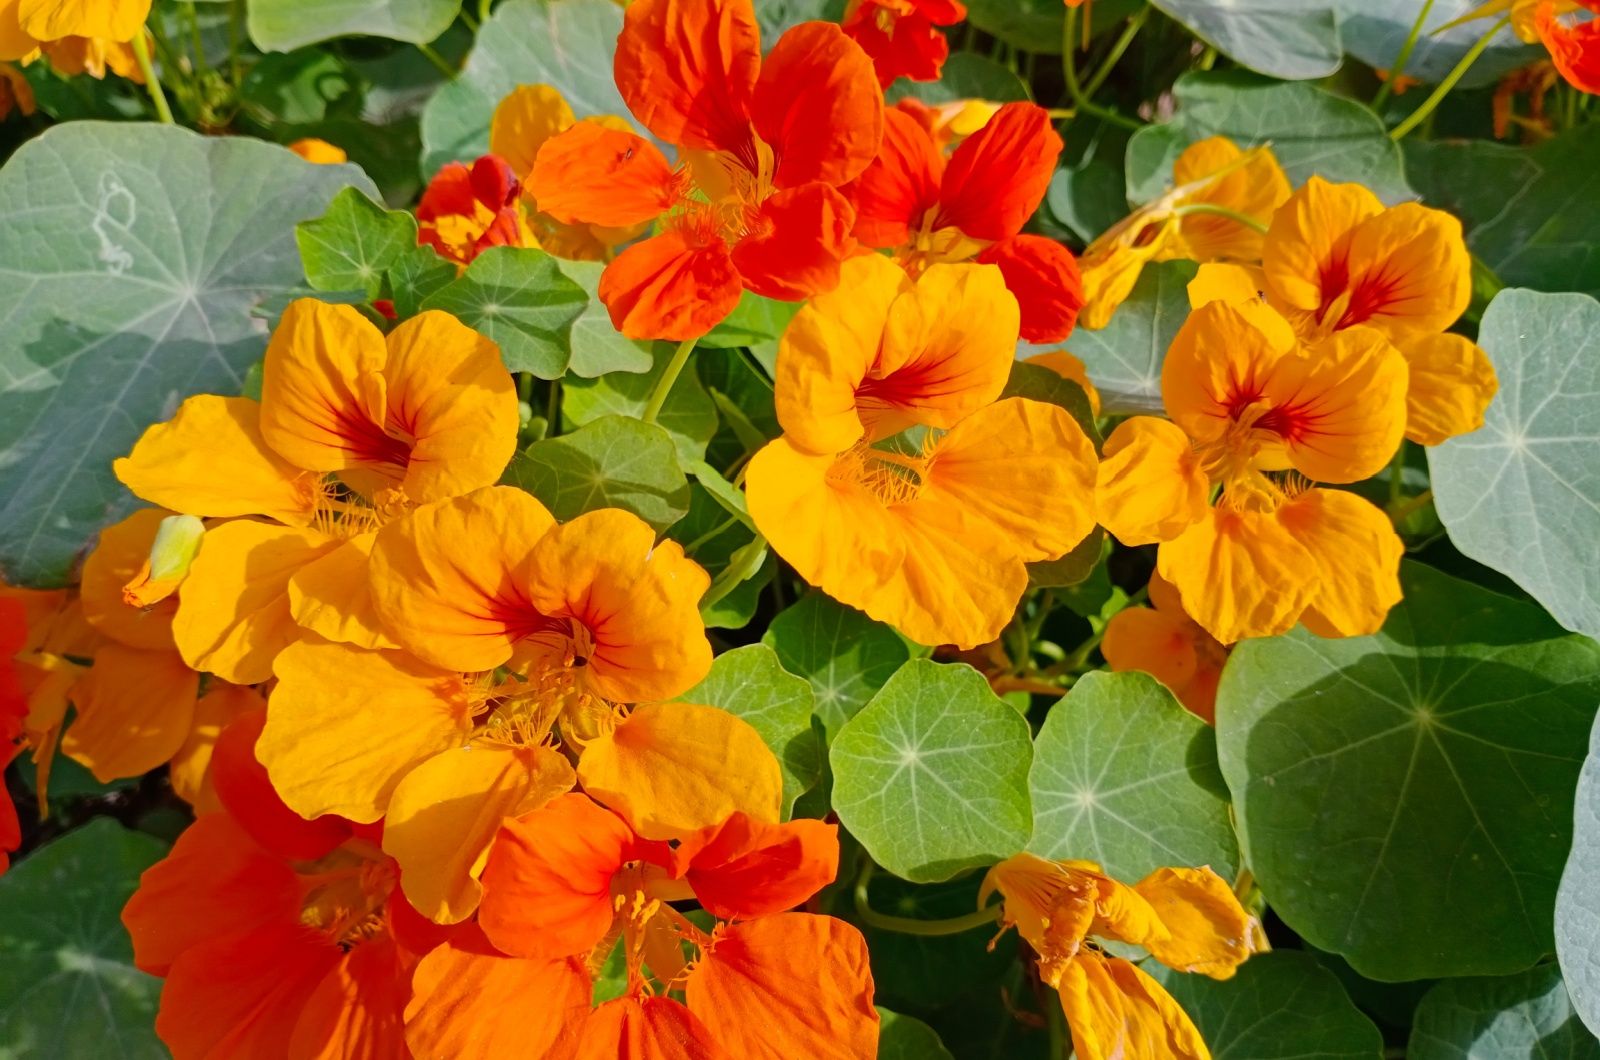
932,775
1038,383
305,87
283,25
415,275
1090,197
1124,357
1529,211
776,16
908,1038
1522,1015
597,347
845,655
614,462
567,44
1374,31
1522,493
1312,131
751,683
1578,900
68,986
151,249
520,298
717,539
1296,40
688,415
1406,798
1124,776
349,247
1071,569
754,319
966,75
742,392
1278,1006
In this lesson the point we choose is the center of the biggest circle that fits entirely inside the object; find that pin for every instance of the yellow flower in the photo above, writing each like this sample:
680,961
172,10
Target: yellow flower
319,151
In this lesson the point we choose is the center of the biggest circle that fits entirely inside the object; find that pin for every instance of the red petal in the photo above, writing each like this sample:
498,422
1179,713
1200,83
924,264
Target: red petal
242,784
818,104
747,868
687,69
799,239
666,288
900,186
999,174
1044,276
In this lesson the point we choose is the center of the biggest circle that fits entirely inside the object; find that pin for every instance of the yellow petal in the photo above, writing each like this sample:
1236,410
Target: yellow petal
444,816
1253,186
1451,384
1069,367
1342,405
332,597
1357,555
827,351
523,121
1240,286
1117,1012
210,460
116,20
1207,929
1110,270
233,611
1307,236
673,768
120,554
959,580
1240,574
1408,273
190,769
1151,486
135,709
345,726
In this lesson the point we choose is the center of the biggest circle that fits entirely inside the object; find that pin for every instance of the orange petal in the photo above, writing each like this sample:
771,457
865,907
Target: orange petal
49,20
670,769
318,151
1406,272
1114,1010
688,71
445,814
331,596
800,236
1307,238
1240,574
135,710
900,185
784,986
547,884
123,550
1357,555
524,121
211,459
1043,276
633,1028
1256,189
464,991
998,176
959,581
667,288
190,768
242,785
636,601
593,174
1162,645
1451,384
233,611
1069,367
1342,405
1208,928
818,104
1575,50
747,868
1151,486
355,1011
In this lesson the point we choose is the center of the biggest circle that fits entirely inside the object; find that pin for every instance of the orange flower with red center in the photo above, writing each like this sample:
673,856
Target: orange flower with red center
764,146
1574,48
465,210
1166,643
902,36
932,211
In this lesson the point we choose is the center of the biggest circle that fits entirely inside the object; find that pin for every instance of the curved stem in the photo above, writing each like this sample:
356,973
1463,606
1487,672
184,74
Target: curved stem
152,84
1222,211
908,926
1135,24
1069,72
663,387
1404,57
438,62
1421,113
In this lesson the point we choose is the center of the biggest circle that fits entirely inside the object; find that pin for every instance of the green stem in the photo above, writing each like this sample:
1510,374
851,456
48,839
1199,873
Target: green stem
552,409
658,396
908,926
152,84
1069,72
1410,507
1421,113
1397,470
483,10
196,43
1135,24
1222,211
438,61
1056,1020
1403,58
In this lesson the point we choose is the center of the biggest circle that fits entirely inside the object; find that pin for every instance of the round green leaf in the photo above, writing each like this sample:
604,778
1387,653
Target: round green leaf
1124,776
1278,1006
349,247
966,75
68,986
1291,39
932,775
1405,799
1124,357
283,25
614,462
751,683
1374,31
1525,1015
906,1038
845,655
1578,900
688,415
597,347
1311,132
520,298
567,44
152,251
1522,493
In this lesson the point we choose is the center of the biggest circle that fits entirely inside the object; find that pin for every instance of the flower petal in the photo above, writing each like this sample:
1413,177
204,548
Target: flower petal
818,104
524,121
355,1011
801,236
1357,555
665,287
901,184
998,176
190,768
748,868
633,1028
1240,574
1306,236
1151,485
247,793
1451,384
1114,1010
687,70
1208,929
121,553
332,597
135,710
1043,276
594,174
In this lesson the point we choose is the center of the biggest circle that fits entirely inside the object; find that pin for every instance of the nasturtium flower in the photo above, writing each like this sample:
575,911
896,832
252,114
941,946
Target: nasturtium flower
1335,257
466,209
13,716
319,151
1217,184
902,36
930,534
948,123
1163,641
1574,45
1187,919
427,412
1258,414
26,25
55,635
973,206
764,145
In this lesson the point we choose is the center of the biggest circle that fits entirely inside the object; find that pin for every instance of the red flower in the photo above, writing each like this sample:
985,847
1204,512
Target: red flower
902,36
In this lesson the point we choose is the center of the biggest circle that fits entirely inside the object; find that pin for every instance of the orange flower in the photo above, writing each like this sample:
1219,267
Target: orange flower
1165,642
26,25
1249,403
764,146
319,151
1188,919
465,210
15,92
1574,49
902,36
948,123
55,633
13,716
974,206
931,536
